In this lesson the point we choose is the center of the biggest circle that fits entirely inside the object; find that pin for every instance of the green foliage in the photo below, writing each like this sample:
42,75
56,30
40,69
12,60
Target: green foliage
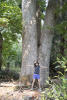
61,28
14,16
59,47
10,21
3,22
62,9
10,28
62,64
19,2
9,75
12,55
57,89
42,7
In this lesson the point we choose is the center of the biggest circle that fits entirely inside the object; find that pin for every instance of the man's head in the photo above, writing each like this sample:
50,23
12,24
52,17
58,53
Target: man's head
37,63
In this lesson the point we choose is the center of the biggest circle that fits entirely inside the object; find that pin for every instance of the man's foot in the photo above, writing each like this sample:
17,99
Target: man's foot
39,90
31,89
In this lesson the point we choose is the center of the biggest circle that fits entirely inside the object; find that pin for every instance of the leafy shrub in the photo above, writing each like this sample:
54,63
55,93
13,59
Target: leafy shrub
57,89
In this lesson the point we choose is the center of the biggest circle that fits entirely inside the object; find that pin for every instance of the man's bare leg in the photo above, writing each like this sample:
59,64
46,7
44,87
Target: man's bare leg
39,83
33,83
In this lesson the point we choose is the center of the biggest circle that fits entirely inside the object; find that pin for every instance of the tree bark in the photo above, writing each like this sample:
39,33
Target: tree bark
38,21
37,44
1,42
46,42
29,39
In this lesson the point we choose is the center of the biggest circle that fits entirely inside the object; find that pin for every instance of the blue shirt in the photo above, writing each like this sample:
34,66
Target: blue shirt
37,69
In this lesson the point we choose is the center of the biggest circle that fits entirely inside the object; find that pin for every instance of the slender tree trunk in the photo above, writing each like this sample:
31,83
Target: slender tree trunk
46,42
29,39
1,42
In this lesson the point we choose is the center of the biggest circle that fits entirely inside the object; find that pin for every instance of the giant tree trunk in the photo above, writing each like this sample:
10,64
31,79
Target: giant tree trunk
29,40
46,42
1,41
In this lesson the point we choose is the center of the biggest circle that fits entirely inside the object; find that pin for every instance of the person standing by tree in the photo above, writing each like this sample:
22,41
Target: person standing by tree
36,74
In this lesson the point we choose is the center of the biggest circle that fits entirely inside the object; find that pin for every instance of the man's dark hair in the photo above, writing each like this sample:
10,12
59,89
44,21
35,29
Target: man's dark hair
37,62
34,63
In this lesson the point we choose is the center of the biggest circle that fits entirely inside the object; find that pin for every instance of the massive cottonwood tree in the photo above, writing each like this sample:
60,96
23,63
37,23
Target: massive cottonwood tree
29,52
37,44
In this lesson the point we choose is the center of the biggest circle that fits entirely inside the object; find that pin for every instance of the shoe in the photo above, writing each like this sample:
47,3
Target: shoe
31,89
39,90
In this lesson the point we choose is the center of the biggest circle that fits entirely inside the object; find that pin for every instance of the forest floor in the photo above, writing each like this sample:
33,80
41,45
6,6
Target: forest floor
9,87
9,91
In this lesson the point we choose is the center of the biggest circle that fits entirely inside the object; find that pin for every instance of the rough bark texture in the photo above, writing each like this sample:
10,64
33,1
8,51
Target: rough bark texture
1,41
35,43
46,42
29,52
38,21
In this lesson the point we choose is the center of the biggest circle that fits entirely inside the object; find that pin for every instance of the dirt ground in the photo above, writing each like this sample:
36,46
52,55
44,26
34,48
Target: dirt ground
8,91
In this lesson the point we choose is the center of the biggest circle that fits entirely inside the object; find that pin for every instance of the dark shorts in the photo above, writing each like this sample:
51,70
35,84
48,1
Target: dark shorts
36,76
